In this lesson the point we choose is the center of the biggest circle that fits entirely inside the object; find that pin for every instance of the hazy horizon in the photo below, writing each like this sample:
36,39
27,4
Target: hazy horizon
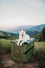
15,13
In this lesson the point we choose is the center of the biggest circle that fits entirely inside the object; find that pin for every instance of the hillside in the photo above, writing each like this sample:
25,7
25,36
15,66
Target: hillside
37,60
3,33
7,35
28,28
31,30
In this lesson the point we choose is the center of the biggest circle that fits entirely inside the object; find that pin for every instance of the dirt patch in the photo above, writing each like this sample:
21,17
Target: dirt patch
33,62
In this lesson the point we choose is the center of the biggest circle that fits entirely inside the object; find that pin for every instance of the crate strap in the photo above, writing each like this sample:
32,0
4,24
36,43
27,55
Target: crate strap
29,50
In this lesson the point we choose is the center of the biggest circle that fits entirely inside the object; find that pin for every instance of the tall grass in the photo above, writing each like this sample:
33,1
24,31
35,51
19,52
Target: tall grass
39,45
5,45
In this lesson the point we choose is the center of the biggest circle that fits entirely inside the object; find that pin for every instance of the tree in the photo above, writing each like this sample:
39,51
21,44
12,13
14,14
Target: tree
43,34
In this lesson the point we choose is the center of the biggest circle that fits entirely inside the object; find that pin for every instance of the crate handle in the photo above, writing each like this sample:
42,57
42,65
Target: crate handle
29,50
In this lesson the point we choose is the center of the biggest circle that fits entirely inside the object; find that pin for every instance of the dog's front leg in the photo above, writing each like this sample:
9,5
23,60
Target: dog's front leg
21,43
18,42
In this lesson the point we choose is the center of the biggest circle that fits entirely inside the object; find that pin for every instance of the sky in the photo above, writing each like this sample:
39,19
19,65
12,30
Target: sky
15,13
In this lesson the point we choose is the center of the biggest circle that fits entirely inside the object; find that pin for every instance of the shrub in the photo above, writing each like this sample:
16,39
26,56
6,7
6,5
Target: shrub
5,46
37,53
43,34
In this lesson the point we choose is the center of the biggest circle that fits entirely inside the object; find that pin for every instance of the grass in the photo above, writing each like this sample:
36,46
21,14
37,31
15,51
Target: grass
5,45
39,45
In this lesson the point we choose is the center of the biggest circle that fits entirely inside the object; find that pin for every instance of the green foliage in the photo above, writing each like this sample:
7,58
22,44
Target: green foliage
39,38
32,33
5,43
5,46
37,53
39,45
7,35
43,34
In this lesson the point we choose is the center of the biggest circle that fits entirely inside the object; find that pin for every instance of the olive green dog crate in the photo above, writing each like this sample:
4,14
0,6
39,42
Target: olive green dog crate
21,53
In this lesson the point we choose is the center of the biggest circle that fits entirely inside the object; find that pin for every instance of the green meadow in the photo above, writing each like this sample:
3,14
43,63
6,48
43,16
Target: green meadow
39,45
5,45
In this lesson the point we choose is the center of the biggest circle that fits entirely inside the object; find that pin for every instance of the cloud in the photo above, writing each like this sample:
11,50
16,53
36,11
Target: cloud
27,2
21,12
36,3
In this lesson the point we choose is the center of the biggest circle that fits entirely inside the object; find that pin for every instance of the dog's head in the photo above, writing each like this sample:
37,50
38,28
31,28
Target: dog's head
22,32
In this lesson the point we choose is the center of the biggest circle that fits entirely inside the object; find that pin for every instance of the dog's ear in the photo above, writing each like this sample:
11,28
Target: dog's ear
20,29
23,29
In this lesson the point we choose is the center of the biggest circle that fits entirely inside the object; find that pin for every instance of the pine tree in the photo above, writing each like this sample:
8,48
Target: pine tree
43,34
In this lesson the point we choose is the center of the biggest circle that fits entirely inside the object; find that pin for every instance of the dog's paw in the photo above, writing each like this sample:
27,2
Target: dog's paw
20,44
17,44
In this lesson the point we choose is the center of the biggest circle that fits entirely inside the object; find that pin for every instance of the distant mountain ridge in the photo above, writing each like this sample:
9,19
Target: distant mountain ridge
28,28
16,30
2,33
31,30
37,28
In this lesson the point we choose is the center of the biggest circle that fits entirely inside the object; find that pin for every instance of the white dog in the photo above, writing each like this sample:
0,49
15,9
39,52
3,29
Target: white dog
23,37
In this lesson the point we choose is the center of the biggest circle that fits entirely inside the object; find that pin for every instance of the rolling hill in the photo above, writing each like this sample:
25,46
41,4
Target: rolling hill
6,35
37,28
31,30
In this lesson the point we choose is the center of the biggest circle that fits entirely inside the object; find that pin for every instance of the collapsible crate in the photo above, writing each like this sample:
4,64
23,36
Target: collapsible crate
21,53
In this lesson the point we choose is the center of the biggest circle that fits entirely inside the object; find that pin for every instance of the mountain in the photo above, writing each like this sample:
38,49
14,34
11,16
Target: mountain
32,33
3,33
28,28
6,35
31,30
16,29
37,28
